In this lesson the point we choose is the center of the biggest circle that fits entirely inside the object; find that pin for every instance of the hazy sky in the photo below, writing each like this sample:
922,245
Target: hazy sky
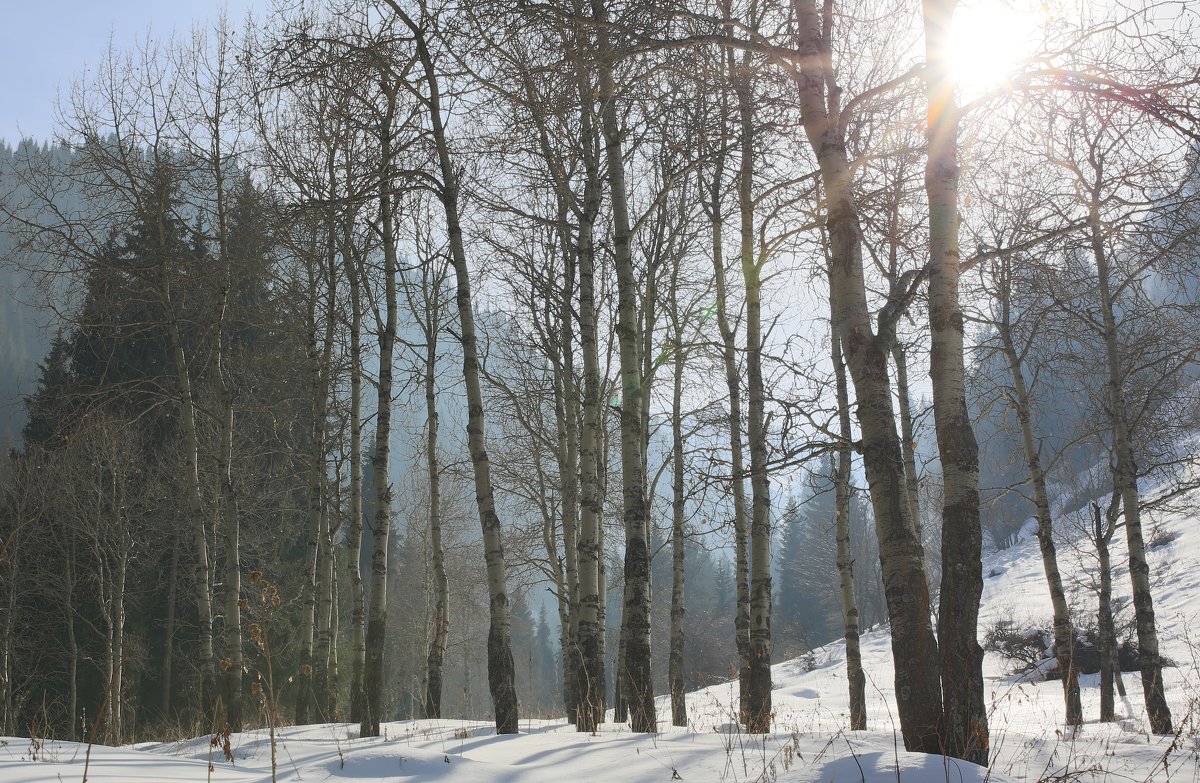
45,44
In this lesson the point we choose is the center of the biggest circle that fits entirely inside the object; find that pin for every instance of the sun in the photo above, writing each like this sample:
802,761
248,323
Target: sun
988,42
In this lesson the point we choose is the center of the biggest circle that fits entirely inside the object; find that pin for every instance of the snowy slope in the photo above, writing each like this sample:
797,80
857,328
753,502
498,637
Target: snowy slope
811,743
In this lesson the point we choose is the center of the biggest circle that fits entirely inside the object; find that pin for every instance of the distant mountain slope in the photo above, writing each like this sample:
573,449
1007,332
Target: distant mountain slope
23,339
23,343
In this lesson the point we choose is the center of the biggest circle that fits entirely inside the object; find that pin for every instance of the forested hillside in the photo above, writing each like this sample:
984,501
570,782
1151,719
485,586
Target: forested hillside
23,340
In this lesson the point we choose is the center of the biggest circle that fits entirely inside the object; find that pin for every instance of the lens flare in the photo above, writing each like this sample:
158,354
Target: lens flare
989,40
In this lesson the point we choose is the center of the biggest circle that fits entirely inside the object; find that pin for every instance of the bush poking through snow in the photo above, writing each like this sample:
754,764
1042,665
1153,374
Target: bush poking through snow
1029,647
1024,648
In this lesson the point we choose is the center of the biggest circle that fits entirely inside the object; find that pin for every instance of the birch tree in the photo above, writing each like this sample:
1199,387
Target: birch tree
426,296
501,671
918,684
1014,344
964,722
856,679
1115,177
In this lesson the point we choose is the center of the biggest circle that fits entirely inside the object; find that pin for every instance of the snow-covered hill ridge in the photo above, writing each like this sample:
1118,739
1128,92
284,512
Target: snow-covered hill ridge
810,743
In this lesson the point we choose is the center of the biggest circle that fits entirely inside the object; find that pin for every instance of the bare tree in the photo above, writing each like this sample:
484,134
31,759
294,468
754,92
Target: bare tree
1118,179
918,685
1015,346
718,140
635,658
964,720
501,670
855,675
427,297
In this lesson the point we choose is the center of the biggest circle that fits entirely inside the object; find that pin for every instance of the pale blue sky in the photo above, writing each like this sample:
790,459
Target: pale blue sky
46,44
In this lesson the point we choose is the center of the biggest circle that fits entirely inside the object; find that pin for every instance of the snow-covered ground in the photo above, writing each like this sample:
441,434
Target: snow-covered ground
811,743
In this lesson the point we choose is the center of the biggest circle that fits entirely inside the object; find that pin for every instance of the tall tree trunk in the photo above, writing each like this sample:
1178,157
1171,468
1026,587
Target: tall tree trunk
118,547
568,472
72,668
570,517
1104,617
758,681
566,395
856,678
675,658
620,706
202,570
741,527
106,603
901,557
117,696
215,117
380,457
69,609
323,650
1064,632
332,704
646,308
501,669
167,668
908,438
637,684
1125,481
441,582
602,567
233,664
566,413
7,704
308,618
6,651
591,685
355,534
964,726
320,353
